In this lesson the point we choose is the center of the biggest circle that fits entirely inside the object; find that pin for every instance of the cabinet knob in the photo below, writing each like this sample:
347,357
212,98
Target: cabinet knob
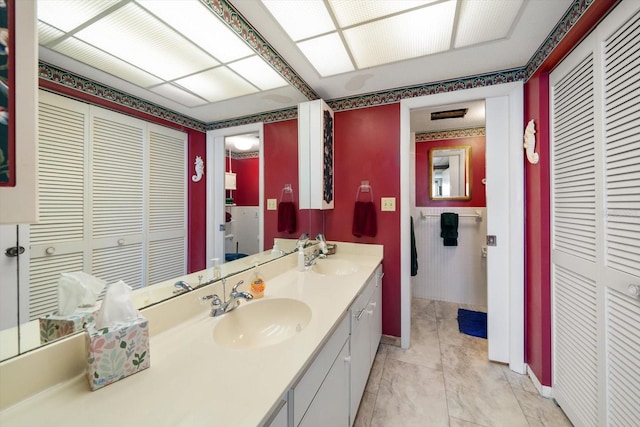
634,290
50,250
120,242
347,359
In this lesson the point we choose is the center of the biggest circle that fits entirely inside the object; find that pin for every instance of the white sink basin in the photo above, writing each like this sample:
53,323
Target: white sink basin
261,323
334,267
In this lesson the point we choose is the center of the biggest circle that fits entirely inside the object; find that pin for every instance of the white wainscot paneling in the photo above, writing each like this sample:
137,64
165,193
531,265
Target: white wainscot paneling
451,273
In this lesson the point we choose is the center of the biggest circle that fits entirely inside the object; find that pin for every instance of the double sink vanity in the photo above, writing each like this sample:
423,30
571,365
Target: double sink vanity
299,356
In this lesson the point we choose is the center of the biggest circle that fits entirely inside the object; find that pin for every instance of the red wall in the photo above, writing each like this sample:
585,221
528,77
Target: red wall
538,325
367,148
478,194
197,207
247,181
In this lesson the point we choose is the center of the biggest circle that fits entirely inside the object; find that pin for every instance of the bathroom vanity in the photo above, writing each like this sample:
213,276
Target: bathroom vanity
299,356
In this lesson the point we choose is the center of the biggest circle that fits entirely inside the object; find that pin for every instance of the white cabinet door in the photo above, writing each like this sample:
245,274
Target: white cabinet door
376,313
330,406
360,357
281,418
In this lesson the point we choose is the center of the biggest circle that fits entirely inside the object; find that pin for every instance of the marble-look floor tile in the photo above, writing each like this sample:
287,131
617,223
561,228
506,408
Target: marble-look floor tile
425,346
410,395
457,422
477,390
449,332
446,309
519,381
541,411
376,370
365,411
422,308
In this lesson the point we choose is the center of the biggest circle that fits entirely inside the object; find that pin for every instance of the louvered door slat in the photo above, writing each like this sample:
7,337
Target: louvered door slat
623,334
119,263
166,259
117,178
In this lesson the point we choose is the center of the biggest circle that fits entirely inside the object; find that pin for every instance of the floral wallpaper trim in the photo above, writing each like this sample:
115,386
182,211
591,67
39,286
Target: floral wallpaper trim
449,134
234,20
74,81
245,155
573,14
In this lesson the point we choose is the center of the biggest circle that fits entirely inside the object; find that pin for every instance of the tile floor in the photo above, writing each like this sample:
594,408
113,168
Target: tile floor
445,379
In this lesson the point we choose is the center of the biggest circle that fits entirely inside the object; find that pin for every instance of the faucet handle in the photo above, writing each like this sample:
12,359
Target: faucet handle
215,299
235,287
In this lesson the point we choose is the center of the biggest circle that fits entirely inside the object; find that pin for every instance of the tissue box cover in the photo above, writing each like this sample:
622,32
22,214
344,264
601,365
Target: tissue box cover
54,326
116,352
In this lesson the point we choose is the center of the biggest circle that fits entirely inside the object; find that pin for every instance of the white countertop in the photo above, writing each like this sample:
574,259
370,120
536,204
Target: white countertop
192,380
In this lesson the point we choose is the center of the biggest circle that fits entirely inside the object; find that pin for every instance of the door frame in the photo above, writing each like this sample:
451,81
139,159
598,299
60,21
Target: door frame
215,188
505,295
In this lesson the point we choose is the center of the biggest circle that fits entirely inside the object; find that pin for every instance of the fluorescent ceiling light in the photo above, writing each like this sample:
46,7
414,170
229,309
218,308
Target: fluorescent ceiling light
179,95
195,21
484,21
301,19
140,39
217,84
258,72
47,33
327,54
418,33
68,14
85,53
351,12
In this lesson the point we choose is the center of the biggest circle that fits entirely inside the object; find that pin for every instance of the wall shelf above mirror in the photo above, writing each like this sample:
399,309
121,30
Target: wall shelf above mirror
450,173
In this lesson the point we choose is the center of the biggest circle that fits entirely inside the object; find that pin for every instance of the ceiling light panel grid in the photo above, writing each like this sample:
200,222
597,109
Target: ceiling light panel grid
69,14
301,19
486,20
350,12
217,84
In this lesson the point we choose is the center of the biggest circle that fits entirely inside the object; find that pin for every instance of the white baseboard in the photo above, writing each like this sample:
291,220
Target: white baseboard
544,390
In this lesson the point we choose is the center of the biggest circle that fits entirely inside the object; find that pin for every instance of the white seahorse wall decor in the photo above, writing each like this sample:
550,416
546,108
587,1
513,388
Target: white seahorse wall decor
199,167
530,142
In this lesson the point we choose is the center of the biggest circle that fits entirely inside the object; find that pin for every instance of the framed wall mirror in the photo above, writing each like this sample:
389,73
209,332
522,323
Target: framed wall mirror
450,173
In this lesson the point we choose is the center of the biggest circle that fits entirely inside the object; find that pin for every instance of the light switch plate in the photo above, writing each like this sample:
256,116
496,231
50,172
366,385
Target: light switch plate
272,204
388,203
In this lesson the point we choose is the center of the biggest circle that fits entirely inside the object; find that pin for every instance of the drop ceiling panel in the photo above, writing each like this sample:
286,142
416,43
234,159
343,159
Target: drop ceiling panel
140,39
318,49
349,12
194,21
301,19
217,84
485,21
185,98
68,14
421,32
258,72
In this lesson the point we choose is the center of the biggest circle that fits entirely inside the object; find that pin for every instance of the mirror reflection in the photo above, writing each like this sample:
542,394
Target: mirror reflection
449,173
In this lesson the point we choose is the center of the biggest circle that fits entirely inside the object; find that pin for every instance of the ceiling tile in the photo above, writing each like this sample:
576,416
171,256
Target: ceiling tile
258,72
83,52
142,40
195,21
177,94
47,33
485,21
327,54
350,12
68,14
421,32
217,84
301,19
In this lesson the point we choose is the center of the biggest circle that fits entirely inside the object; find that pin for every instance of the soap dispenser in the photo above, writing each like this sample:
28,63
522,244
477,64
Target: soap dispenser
275,250
217,273
257,284
300,258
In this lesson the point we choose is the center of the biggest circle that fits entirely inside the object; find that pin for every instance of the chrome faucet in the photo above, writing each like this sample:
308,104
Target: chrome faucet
312,258
182,287
218,307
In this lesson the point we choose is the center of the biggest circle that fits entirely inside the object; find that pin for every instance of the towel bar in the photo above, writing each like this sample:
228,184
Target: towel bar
477,215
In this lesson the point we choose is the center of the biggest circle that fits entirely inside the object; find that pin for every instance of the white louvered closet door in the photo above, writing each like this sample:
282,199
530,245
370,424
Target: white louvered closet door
57,240
117,197
167,204
595,97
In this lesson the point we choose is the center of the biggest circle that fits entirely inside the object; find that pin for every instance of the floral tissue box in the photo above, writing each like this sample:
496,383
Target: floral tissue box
54,326
115,353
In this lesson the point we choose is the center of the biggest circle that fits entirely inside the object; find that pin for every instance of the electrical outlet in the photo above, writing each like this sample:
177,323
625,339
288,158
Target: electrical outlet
388,203
272,204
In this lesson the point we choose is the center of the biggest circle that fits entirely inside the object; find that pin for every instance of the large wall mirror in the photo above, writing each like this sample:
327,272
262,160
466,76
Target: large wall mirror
450,173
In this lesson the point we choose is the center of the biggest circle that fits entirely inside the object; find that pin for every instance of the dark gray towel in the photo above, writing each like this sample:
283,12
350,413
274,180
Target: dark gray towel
414,252
449,228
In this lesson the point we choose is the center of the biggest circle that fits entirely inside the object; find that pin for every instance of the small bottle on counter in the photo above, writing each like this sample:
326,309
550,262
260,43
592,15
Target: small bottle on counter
300,258
217,273
257,284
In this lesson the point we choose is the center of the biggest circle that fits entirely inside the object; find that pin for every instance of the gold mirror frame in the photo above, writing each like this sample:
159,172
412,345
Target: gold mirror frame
463,191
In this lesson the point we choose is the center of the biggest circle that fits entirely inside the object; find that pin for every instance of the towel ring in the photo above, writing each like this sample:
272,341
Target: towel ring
365,189
286,190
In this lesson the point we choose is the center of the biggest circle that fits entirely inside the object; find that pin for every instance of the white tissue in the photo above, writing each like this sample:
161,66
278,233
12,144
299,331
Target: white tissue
116,307
77,289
